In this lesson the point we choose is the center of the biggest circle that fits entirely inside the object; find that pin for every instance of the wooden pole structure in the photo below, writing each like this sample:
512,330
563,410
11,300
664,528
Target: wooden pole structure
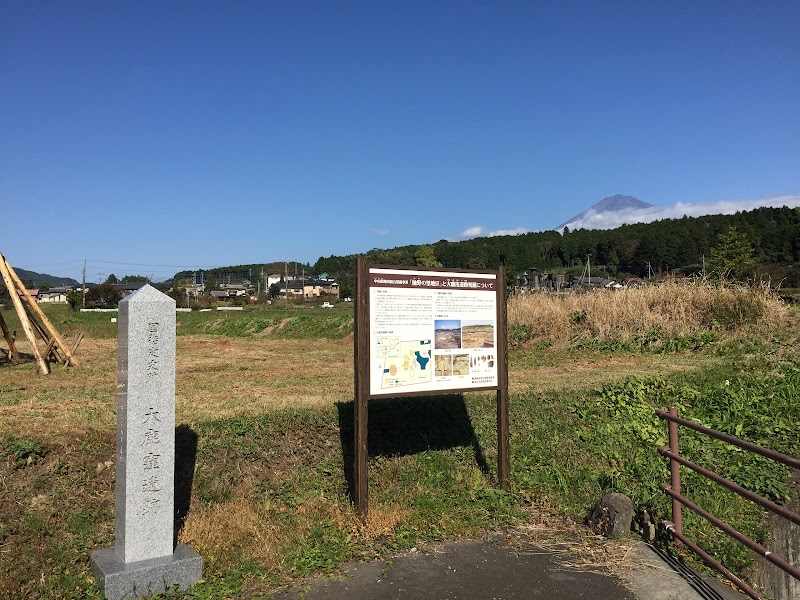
38,311
361,387
52,348
12,349
503,459
78,338
23,317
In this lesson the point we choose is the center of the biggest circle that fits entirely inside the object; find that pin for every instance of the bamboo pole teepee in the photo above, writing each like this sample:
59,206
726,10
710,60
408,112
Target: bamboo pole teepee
28,314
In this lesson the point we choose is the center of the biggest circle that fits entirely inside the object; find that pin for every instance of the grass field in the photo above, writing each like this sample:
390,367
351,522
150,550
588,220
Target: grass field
265,437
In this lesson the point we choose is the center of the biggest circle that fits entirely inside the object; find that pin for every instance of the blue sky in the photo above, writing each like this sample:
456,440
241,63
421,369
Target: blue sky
208,133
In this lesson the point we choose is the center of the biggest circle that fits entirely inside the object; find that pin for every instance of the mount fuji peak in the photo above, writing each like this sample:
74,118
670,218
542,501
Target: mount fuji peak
606,205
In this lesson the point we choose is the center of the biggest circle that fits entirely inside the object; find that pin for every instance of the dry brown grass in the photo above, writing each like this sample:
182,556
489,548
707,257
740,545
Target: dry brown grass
221,377
574,546
381,520
240,527
216,377
223,531
670,310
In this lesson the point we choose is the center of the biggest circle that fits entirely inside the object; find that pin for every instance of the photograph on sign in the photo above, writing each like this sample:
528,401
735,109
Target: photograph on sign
431,330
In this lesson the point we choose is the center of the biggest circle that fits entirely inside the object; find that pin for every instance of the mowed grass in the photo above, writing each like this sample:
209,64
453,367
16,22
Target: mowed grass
265,446
220,377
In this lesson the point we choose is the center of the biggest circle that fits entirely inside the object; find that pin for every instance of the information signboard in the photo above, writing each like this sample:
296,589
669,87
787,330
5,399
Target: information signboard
421,331
431,331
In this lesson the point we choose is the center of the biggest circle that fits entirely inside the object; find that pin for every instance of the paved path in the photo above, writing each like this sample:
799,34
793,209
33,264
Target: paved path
481,570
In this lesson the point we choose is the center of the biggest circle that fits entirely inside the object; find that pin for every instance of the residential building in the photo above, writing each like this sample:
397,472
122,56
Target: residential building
55,295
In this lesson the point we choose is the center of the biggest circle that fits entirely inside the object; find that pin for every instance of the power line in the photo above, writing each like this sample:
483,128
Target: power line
63,262
194,266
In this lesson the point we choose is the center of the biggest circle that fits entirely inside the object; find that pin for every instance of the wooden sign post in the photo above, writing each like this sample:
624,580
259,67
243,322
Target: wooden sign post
421,331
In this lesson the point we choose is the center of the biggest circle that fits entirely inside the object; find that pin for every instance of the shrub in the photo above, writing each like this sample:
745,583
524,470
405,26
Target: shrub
103,296
75,299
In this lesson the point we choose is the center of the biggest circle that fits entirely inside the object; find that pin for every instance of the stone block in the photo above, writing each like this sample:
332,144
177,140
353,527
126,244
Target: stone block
119,580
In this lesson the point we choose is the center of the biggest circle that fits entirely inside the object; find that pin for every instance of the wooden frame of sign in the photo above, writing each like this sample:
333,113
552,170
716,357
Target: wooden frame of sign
423,331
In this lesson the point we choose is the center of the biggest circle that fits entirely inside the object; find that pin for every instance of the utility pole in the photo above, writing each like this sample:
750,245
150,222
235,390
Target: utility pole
704,265
84,281
286,283
589,266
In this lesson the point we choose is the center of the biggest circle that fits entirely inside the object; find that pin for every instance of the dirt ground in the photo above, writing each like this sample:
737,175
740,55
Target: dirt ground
477,336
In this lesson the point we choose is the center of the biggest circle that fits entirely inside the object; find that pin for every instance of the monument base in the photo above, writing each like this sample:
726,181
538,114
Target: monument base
118,580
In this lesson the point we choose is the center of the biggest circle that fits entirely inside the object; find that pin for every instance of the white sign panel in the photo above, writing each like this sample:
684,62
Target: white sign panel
431,331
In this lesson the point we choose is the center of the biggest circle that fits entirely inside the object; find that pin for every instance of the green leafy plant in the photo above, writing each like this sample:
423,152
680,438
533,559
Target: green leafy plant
578,317
22,450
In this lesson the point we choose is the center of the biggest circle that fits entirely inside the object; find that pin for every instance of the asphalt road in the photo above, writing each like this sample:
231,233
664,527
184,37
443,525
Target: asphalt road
483,570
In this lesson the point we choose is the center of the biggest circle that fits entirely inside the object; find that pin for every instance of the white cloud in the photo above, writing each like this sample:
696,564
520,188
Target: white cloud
477,231
472,232
517,231
610,220
380,231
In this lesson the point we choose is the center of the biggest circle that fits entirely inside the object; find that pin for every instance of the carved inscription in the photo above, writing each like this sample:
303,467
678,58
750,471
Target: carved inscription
153,337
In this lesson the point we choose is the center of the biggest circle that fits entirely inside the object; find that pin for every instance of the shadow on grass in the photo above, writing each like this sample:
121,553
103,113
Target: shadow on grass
403,426
185,457
5,357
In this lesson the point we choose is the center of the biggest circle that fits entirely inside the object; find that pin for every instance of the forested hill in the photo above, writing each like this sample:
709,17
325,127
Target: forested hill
670,244
238,273
34,279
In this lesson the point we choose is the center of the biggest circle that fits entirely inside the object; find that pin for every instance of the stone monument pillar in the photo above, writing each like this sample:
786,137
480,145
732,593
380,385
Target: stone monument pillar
144,560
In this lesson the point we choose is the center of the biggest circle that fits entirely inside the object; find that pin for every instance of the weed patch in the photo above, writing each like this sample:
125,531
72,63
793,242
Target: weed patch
607,443
22,451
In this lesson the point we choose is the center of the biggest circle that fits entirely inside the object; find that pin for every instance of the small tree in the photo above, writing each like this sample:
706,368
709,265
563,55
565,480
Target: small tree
424,257
613,261
178,293
732,256
275,288
75,299
104,295
347,285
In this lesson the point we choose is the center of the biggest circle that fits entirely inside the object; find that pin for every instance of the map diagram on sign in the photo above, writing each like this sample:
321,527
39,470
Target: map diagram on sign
403,362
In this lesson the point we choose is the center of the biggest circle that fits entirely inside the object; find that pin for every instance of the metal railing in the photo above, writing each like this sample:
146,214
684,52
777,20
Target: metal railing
675,527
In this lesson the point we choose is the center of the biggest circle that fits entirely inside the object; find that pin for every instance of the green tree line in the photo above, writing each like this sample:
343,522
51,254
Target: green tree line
675,245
